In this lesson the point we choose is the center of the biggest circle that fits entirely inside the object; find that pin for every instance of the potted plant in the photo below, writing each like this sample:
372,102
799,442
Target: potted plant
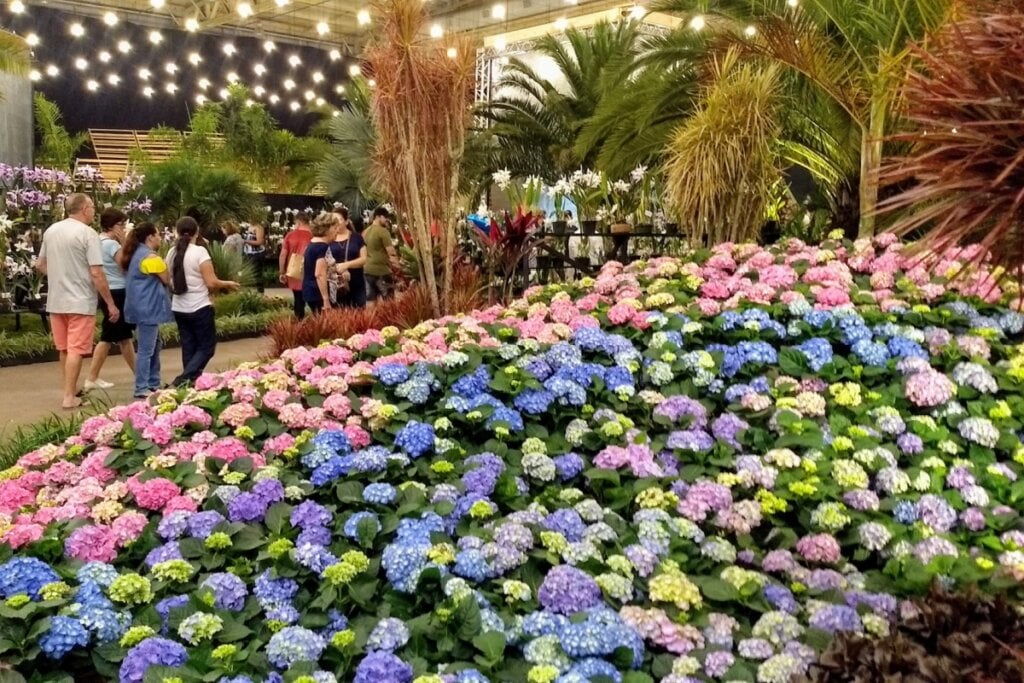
558,193
644,188
589,189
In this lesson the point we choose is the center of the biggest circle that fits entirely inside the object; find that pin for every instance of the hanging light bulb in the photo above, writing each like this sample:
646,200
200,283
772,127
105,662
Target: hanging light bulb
498,11
322,28
124,47
52,71
232,77
335,55
171,68
171,88
452,53
244,10
561,23
697,23
274,99
156,37
110,19
77,30
16,7
259,69
294,106
32,39
750,31
104,56
204,83
318,77
191,24
294,61
289,84
35,75
354,70
259,90
229,49
92,85
637,12
436,31
194,58
148,91
269,45
81,63
144,73
113,79
363,17
157,4
200,99
282,3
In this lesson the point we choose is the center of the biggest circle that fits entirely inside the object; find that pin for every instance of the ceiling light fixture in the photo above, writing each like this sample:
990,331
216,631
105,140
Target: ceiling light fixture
322,28
498,11
52,70
436,30
124,46
363,17
92,85
77,30
195,58
354,70
156,37
318,77
81,63
244,10
144,74
32,39
229,49
191,24
16,7
697,23
269,45
335,55
104,56
110,19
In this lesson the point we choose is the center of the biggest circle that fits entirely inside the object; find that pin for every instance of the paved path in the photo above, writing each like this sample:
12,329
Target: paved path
29,393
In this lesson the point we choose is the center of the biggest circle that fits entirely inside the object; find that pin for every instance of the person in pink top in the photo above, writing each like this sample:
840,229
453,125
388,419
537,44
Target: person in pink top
290,262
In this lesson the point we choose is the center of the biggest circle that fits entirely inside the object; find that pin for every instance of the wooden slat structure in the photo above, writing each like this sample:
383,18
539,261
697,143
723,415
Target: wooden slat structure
119,151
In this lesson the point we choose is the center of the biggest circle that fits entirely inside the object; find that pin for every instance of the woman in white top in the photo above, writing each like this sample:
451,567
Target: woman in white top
192,279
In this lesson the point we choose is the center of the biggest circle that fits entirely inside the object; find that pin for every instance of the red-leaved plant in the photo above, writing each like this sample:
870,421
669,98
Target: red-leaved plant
506,247
963,180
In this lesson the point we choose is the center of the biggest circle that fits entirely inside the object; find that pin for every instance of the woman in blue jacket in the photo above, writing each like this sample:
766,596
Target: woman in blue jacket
147,303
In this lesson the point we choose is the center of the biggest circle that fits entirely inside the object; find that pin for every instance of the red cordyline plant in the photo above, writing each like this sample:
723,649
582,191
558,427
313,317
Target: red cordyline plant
506,246
963,180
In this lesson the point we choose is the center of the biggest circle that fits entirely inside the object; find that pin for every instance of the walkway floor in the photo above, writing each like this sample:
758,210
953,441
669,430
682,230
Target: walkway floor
29,393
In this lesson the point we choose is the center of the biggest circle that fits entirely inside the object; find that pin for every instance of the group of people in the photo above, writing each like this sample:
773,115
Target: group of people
123,267
327,264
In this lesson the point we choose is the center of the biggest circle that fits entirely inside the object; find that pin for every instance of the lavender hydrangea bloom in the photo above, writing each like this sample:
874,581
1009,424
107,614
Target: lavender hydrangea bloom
388,635
379,666
310,514
294,644
201,524
247,507
229,591
567,590
150,652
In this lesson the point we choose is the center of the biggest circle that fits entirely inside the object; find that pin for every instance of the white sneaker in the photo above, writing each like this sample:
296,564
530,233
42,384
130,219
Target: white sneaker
98,384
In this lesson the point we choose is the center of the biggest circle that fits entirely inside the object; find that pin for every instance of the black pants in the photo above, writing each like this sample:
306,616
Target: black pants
298,304
198,343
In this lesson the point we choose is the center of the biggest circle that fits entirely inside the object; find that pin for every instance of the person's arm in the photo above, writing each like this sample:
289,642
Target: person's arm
41,259
389,247
358,262
282,263
212,281
99,281
321,281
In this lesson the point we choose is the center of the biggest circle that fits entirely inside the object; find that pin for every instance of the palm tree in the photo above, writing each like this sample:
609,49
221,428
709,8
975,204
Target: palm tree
345,171
536,123
15,56
57,146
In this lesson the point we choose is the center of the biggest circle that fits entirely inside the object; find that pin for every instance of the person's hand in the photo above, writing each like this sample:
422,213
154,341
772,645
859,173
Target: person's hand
341,267
113,313
232,286
283,279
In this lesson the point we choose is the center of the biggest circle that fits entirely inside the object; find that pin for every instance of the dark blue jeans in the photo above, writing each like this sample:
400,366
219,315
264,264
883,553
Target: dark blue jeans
198,342
147,360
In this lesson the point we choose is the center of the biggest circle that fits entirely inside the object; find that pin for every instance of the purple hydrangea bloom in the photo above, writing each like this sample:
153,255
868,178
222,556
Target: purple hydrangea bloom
379,666
229,591
566,522
150,652
567,590
164,607
163,553
247,507
294,644
201,524
314,535
308,513
269,491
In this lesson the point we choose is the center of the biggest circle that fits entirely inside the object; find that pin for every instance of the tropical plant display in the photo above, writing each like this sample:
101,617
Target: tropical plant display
57,146
685,470
15,55
962,180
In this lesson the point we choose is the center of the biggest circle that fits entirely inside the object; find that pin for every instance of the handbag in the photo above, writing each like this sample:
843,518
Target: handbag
344,278
295,266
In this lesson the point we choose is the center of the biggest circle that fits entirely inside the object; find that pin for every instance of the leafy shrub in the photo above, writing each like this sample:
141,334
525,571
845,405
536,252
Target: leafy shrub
230,265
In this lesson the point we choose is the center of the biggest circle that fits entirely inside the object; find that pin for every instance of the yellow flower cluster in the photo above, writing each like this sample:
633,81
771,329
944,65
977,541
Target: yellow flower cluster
671,585
846,394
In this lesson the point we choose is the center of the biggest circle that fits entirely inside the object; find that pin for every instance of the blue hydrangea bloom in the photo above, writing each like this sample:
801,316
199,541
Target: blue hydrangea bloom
63,636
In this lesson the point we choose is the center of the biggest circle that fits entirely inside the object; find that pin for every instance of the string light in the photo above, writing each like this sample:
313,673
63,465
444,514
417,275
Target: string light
309,95
269,45
452,53
195,58
637,12
148,91
110,19
156,37
259,90
52,70
171,88
322,28
229,49
259,69
200,99
294,106
244,10
436,31
336,113
340,89
697,23
232,77
274,99
294,61
204,83
113,79
320,101
124,46
498,11
561,23
354,70
191,24
363,17
289,84
335,55
92,85
171,68
144,74
283,3
750,31
792,3
157,4
104,56
32,39
372,83
17,7
35,75
77,30
223,93
81,63
318,77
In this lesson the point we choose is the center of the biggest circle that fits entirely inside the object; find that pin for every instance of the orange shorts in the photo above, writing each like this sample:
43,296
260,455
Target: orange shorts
73,332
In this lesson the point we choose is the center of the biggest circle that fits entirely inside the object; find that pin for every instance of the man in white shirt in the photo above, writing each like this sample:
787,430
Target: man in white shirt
72,261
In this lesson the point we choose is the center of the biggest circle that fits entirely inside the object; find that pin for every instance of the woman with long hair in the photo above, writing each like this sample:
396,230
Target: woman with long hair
146,302
192,280
318,263
112,227
291,268
349,253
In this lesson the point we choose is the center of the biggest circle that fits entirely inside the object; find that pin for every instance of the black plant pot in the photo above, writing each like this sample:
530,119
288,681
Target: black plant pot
589,227
559,227
671,228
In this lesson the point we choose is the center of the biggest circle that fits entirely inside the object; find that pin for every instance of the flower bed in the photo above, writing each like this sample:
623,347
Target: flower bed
677,471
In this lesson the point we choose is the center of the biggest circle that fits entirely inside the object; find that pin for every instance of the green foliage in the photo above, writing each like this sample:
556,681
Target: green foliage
230,265
345,170
57,147
15,56
51,429
536,123
184,183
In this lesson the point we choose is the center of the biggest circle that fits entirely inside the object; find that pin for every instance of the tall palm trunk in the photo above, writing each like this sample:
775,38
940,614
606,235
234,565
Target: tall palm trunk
871,160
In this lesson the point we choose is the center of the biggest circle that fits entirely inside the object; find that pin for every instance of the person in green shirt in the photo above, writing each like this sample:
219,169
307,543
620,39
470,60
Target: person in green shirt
380,252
